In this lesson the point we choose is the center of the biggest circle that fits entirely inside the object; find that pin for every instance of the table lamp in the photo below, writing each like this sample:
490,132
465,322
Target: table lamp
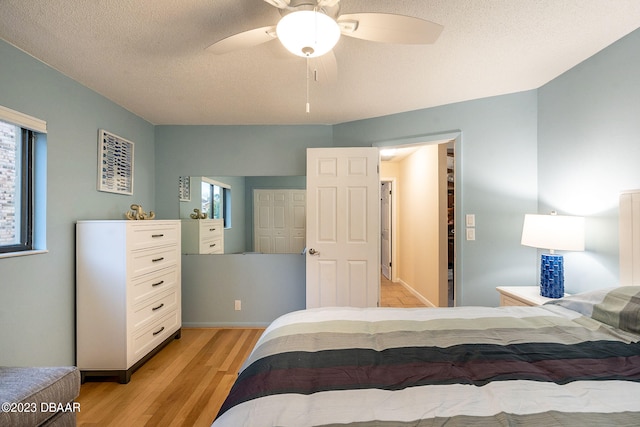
553,232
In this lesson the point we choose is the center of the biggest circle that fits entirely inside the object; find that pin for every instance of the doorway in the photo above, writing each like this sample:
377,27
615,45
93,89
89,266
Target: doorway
417,219
386,194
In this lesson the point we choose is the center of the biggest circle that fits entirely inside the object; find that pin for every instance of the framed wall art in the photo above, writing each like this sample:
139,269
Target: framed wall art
184,188
115,163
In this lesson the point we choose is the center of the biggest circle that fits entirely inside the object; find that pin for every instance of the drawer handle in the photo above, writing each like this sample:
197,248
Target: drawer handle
157,235
212,229
158,307
157,259
212,245
157,332
158,284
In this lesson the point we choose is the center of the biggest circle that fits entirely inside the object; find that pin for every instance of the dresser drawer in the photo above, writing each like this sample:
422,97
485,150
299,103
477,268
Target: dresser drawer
211,229
144,262
148,312
212,246
153,284
153,234
149,337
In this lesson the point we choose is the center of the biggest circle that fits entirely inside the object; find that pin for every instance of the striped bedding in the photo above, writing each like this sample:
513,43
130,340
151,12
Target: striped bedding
547,365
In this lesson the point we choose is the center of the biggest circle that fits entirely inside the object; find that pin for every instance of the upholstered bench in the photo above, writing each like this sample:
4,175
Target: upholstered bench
39,396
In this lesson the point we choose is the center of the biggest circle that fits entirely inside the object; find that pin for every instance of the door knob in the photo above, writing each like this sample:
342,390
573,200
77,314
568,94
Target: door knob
313,252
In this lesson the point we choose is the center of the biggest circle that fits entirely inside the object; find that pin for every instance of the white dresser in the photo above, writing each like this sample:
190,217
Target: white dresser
203,236
128,294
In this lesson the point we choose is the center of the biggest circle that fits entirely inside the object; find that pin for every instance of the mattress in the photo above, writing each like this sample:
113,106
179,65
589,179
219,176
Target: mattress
575,361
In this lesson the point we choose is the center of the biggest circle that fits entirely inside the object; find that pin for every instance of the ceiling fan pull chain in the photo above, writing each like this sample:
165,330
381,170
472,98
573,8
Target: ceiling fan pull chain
308,52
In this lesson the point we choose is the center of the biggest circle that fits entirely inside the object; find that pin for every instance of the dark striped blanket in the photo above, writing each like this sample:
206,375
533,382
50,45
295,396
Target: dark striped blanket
421,367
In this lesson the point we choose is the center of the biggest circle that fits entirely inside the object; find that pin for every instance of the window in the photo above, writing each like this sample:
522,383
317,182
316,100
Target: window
21,185
216,201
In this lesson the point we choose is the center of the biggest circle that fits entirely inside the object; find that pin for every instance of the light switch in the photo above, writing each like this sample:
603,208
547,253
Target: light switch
471,220
471,234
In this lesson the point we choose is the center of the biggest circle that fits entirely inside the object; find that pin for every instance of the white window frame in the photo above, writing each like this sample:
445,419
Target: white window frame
226,210
39,179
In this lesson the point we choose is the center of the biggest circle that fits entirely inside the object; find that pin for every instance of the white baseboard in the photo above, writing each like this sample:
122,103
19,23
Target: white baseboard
416,294
225,324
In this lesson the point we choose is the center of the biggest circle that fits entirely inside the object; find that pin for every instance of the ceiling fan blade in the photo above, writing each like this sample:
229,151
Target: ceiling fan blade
327,3
243,40
280,4
389,28
324,69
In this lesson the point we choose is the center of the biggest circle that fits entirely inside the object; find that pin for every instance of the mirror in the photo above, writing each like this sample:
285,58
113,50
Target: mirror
238,207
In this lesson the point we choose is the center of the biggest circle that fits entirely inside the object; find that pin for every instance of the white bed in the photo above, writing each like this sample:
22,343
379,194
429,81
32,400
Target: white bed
575,361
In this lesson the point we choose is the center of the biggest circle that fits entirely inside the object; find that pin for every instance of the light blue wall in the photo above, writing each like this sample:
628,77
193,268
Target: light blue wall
37,292
574,139
497,181
589,151
267,286
496,175
230,151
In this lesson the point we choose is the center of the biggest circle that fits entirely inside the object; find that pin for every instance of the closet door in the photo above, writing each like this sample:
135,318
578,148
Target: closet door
262,221
298,221
279,221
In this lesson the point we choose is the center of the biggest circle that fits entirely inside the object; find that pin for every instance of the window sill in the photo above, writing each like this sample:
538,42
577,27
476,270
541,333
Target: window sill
23,253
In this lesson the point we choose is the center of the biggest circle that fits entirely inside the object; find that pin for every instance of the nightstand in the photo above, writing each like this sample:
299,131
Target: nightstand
521,295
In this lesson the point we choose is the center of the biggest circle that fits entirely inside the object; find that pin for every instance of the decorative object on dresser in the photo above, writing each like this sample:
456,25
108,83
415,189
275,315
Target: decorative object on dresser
521,295
203,236
137,213
553,232
197,214
128,293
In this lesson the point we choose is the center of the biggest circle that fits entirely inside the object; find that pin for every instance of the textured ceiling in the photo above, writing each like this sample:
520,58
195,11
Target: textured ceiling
150,56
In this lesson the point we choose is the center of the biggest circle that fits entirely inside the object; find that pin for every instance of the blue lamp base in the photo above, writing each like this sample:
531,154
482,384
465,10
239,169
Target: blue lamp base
552,276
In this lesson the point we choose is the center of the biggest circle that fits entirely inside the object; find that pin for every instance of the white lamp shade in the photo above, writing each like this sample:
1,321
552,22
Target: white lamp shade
555,232
308,33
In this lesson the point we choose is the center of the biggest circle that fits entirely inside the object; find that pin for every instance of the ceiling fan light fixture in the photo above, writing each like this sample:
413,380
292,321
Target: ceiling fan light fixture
308,33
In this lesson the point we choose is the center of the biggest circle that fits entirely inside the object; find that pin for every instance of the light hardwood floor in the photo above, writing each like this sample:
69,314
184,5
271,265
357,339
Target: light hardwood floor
183,385
186,383
396,295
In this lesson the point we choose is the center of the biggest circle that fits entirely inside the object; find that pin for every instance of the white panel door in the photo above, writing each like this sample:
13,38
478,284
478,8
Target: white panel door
280,221
298,221
262,221
343,227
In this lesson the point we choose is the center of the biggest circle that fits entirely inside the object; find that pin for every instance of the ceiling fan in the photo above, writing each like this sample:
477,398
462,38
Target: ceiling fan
311,28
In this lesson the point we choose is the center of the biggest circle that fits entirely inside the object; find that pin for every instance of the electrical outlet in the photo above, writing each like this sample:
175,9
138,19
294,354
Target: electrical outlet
238,305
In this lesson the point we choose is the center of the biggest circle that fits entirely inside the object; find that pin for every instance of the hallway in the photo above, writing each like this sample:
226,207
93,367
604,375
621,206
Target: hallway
396,295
